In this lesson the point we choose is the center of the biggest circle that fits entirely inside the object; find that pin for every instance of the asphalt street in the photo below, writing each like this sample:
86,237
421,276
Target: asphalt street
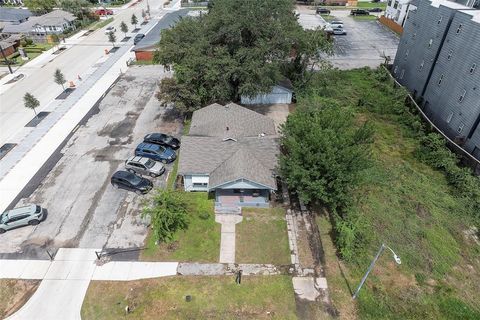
84,210
38,80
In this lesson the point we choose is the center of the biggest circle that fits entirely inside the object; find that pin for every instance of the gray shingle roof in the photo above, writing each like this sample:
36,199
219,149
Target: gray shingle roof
54,18
248,156
13,14
230,121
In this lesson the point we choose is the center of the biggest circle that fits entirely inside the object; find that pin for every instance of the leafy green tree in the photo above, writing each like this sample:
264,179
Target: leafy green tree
238,48
59,78
124,28
40,6
168,213
31,102
144,14
324,153
134,20
80,8
112,38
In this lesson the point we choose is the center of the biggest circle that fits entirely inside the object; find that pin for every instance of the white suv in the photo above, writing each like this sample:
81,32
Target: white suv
144,166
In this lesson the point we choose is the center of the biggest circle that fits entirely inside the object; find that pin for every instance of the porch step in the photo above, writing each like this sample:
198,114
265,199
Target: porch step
231,210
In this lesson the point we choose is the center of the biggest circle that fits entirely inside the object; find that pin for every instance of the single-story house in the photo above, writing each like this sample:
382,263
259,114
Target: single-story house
282,92
145,49
14,15
40,28
232,152
10,43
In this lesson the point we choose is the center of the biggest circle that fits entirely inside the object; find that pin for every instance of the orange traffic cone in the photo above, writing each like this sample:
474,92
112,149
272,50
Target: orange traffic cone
72,85
106,51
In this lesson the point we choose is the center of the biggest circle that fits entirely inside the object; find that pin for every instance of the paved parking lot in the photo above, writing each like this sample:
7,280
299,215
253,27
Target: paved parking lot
84,210
365,43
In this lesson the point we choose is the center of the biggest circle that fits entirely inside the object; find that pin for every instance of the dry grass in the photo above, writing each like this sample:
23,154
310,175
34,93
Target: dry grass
258,297
14,294
262,237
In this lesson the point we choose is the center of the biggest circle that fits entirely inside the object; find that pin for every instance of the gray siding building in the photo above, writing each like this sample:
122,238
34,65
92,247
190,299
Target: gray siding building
438,60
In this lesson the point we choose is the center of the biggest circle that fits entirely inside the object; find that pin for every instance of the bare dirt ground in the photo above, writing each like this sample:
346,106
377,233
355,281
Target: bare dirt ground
14,293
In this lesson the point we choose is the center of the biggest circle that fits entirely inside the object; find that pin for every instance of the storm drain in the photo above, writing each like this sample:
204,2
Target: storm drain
5,149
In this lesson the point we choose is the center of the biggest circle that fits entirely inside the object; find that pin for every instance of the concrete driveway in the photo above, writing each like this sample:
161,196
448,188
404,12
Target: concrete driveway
365,43
84,210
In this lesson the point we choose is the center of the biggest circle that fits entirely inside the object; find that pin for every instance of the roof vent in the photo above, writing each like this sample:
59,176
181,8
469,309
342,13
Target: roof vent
261,135
228,128
229,139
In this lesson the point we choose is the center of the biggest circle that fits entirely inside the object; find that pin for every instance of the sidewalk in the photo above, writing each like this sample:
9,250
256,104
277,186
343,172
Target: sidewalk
66,280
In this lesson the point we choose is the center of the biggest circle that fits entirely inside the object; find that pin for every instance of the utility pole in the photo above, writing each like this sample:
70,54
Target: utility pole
6,60
382,247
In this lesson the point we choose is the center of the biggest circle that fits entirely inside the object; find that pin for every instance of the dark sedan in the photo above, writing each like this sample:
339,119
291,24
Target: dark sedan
375,10
162,140
131,182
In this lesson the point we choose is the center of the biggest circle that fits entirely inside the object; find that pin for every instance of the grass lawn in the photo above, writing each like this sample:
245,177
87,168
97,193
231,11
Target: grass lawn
262,237
258,297
101,24
365,18
410,207
14,293
368,5
199,243
32,51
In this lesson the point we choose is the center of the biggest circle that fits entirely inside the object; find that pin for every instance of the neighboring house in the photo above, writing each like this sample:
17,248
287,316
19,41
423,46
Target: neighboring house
281,93
14,15
40,28
12,2
145,49
10,43
232,152
438,60
397,11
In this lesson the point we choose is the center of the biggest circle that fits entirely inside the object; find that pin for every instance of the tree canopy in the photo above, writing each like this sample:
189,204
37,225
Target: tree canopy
124,28
324,153
59,78
31,102
40,6
80,8
238,48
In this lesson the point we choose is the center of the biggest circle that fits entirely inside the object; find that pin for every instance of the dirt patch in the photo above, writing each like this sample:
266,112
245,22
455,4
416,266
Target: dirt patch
304,253
14,294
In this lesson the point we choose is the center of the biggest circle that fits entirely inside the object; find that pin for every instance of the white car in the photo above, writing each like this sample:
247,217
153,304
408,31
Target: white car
336,24
339,32
110,30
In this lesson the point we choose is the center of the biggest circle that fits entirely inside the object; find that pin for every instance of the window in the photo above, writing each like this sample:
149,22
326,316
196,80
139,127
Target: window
472,69
390,3
406,54
462,96
414,35
402,74
460,128
395,5
430,43
421,65
440,20
440,80
450,53
459,28
200,184
449,118
395,69
237,191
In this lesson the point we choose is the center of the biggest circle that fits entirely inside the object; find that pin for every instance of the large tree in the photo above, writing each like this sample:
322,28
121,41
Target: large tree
59,78
30,102
238,48
40,6
324,152
80,8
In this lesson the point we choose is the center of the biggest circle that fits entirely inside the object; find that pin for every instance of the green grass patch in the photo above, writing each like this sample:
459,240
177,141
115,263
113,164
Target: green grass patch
258,297
365,18
101,24
262,237
369,5
199,243
172,177
407,205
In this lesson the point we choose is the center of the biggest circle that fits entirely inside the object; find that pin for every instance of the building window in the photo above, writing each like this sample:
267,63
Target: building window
440,20
406,54
421,65
414,35
450,53
430,43
440,80
402,74
460,128
395,6
449,118
459,28
462,96
395,69
472,69
200,184
390,3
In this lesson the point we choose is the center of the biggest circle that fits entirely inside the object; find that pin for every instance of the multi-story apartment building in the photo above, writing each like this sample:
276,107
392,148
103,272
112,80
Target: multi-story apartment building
438,60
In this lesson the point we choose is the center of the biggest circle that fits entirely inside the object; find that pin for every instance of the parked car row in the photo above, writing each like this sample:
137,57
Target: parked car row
150,156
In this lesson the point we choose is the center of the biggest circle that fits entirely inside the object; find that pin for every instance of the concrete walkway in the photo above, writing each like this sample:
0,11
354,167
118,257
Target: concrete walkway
227,240
65,280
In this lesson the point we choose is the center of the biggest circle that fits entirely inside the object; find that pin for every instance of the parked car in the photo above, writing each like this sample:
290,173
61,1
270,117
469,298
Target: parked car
144,166
359,12
322,11
19,217
104,12
375,10
131,182
138,37
110,30
163,140
155,152
336,24
339,31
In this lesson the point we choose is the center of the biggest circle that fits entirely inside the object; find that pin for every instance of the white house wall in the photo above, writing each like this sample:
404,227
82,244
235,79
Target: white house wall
188,184
242,184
